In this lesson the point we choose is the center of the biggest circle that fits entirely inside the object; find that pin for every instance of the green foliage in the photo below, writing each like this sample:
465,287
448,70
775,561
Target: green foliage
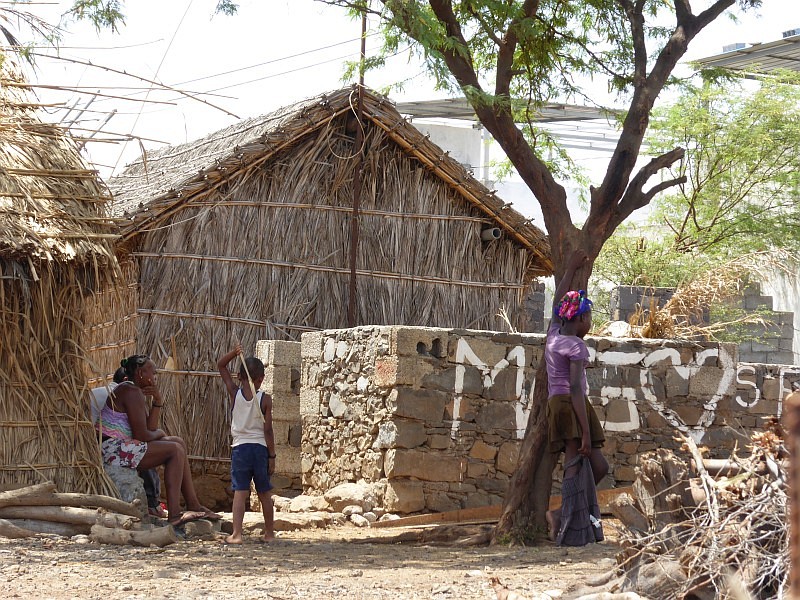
742,164
638,256
103,14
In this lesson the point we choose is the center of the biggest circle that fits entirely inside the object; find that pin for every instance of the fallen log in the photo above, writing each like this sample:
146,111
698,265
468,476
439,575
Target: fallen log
158,536
68,514
12,531
26,494
36,526
623,507
44,494
488,514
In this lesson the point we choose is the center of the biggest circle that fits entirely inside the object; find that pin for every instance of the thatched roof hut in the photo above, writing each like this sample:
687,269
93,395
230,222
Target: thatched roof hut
246,234
56,246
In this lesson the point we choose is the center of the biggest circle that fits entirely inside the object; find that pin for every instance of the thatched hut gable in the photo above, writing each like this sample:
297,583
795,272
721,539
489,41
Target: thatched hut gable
152,189
51,203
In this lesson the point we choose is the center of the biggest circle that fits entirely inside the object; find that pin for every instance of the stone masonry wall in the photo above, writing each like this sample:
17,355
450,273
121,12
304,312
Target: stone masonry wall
282,380
434,417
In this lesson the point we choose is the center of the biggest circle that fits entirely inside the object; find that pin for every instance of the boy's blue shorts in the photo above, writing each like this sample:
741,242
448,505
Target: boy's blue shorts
250,462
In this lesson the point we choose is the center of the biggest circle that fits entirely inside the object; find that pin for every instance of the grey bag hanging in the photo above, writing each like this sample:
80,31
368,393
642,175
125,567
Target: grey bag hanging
580,513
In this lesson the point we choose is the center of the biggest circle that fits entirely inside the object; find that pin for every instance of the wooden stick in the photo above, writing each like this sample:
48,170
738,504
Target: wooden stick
252,387
68,514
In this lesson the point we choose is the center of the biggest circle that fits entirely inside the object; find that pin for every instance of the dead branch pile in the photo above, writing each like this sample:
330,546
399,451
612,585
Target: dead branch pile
700,529
37,509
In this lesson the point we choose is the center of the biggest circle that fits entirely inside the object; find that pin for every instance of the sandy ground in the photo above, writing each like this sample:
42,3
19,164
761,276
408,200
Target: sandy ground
338,562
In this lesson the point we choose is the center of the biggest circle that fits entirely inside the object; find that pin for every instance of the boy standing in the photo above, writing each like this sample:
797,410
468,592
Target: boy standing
253,453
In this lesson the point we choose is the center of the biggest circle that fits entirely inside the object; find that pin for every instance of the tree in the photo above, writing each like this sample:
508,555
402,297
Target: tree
742,167
742,195
508,57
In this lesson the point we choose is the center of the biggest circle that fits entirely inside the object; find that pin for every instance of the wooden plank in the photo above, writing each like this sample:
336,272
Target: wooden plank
483,514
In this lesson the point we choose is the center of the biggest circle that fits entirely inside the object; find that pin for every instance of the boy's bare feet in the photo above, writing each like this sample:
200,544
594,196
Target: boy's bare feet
233,539
268,537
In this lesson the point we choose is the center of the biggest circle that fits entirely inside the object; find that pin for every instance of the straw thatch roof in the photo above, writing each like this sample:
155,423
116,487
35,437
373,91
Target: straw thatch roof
51,203
56,246
153,188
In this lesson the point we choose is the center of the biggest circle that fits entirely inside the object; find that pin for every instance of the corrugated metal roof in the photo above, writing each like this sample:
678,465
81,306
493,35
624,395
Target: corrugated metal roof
759,58
459,108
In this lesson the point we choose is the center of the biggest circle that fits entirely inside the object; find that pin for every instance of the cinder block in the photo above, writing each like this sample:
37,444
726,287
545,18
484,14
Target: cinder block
422,405
282,379
279,352
286,406
488,352
309,403
280,431
311,344
414,341
287,461
706,382
401,370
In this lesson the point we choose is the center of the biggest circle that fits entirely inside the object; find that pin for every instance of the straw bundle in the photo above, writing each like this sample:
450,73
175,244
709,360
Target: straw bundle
56,246
245,235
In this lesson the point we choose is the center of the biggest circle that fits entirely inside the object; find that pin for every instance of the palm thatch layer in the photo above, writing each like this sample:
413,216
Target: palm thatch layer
245,235
56,246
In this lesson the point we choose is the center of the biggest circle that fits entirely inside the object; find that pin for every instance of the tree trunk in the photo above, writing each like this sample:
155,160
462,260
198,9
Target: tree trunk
528,496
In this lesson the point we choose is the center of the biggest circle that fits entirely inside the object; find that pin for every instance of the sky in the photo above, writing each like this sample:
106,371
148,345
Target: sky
272,53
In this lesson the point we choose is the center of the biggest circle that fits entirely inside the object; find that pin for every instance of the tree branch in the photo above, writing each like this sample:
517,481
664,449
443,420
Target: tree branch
506,50
634,197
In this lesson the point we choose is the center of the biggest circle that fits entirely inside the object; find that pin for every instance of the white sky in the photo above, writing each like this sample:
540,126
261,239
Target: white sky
272,53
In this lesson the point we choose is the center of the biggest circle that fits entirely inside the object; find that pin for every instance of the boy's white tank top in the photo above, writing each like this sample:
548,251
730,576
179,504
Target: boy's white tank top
247,425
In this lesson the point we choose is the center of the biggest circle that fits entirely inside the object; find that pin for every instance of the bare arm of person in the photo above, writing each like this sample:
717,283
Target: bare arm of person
269,436
132,400
227,378
576,375
575,262
154,415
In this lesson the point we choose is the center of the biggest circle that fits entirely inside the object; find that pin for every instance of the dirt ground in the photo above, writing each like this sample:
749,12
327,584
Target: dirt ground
317,563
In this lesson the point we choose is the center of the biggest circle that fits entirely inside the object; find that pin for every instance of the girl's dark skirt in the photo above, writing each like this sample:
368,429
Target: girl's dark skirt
562,423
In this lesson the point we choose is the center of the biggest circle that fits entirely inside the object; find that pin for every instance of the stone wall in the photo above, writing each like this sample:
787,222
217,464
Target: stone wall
434,417
282,380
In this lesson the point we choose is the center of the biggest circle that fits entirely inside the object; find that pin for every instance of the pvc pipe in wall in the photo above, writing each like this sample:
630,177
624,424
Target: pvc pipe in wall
491,233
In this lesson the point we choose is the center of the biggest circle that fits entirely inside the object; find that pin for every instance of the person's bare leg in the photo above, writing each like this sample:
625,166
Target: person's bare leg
599,465
187,483
171,455
269,515
239,504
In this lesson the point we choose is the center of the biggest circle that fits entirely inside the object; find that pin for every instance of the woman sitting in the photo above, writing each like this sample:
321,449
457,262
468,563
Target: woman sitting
131,439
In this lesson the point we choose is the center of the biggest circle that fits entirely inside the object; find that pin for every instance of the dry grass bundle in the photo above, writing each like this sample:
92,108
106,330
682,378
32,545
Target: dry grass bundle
684,315
56,247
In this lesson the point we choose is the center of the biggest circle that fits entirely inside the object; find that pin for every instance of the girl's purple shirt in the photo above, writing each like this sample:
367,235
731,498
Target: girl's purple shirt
559,351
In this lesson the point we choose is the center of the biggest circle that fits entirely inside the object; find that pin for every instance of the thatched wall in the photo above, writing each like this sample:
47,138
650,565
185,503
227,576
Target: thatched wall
111,313
55,248
267,257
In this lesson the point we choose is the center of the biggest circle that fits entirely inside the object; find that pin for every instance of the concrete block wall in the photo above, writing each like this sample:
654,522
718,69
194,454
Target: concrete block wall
769,342
282,380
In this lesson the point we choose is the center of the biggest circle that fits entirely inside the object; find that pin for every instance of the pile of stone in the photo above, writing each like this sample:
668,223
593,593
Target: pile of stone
355,503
